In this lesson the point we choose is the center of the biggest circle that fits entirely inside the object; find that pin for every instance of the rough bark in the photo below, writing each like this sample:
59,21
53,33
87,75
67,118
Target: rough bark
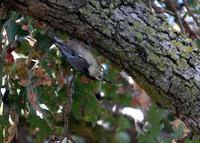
163,61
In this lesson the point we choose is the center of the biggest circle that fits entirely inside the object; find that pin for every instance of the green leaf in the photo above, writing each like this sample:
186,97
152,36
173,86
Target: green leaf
195,140
43,128
12,28
85,105
178,133
24,48
48,97
43,42
123,137
122,123
154,118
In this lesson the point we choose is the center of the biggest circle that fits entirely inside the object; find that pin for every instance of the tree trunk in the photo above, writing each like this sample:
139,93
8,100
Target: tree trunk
163,61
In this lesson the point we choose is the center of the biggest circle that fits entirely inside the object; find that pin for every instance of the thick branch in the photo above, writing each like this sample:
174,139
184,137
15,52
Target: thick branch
163,61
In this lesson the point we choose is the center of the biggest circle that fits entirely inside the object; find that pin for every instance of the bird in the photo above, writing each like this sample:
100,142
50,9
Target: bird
80,58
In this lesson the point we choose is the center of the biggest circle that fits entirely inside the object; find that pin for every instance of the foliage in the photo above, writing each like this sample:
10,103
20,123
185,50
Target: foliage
160,127
34,76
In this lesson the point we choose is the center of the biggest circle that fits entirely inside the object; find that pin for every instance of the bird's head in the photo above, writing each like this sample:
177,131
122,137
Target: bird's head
95,71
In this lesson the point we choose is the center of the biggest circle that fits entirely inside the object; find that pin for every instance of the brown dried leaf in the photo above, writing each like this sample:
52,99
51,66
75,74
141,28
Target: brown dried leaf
21,69
23,82
84,79
12,130
140,97
32,98
47,81
43,77
41,25
39,72
9,59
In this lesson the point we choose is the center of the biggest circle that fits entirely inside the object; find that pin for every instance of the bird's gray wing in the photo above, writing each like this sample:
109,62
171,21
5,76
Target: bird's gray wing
75,59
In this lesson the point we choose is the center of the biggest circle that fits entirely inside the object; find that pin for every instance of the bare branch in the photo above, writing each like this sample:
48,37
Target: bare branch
177,17
68,105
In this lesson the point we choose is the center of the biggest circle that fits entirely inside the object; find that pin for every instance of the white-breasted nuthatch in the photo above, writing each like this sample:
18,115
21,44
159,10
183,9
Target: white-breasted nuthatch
77,54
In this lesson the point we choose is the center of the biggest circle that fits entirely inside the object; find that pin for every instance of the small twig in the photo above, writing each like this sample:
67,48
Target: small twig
191,33
177,17
162,10
188,29
68,106
191,13
150,5
184,16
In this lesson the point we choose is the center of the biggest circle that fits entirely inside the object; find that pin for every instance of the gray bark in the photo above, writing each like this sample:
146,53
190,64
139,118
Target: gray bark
163,61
